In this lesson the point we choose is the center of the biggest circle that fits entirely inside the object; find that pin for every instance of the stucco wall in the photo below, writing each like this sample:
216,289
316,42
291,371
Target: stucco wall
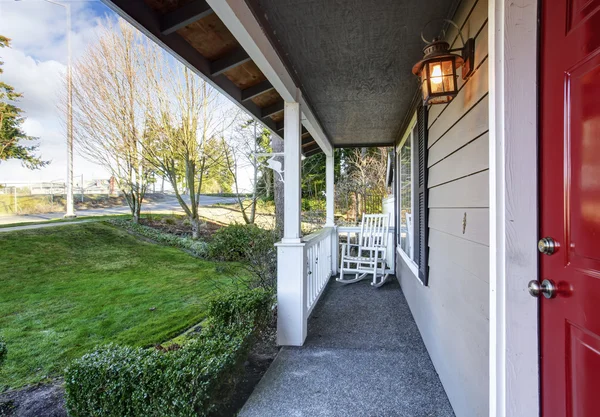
452,312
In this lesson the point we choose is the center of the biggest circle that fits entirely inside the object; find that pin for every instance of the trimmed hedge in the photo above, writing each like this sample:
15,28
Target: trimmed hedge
196,379
3,351
197,247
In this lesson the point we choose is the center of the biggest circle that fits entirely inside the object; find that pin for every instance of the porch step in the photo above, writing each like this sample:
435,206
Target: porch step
363,357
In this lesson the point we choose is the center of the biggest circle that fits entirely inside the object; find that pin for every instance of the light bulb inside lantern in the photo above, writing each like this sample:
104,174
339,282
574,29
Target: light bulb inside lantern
436,74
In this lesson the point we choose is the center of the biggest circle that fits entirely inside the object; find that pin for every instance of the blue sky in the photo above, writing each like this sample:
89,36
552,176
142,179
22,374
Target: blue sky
36,66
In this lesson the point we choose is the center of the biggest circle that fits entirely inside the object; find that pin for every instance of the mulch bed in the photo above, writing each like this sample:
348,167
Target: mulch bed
37,401
177,225
260,358
48,400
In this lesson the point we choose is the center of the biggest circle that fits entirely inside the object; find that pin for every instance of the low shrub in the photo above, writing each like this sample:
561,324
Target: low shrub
236,241
194,380
3,351
169,220
196,247
253,247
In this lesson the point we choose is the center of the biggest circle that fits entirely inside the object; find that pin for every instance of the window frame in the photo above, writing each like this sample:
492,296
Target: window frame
408,134
416,130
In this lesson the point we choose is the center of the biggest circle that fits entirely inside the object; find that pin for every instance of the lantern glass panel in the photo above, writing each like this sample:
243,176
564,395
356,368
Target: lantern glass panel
441,76
448,71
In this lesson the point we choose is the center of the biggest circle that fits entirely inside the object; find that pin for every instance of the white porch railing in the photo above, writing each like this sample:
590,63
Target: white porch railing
303,270
319,250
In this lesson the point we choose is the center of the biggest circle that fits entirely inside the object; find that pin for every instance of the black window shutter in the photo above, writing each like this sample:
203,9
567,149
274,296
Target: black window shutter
421,204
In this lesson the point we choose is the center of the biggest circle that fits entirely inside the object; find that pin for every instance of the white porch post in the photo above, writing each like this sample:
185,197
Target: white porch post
292,167
291,257
330,191
330,206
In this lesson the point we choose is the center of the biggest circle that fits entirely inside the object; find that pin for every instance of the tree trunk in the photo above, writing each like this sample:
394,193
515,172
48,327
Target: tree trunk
195,228
136,213
277,146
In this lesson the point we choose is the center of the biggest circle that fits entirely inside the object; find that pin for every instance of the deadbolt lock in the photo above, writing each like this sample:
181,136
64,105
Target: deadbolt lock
547,245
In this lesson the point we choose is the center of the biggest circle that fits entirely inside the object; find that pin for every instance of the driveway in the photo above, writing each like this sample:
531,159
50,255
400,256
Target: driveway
168,205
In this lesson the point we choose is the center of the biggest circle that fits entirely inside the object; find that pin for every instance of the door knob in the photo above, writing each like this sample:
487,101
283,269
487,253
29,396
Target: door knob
547,288
547,245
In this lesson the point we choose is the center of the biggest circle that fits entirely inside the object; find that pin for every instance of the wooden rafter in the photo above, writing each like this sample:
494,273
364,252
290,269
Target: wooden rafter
256,90
185,15
272,109
233,59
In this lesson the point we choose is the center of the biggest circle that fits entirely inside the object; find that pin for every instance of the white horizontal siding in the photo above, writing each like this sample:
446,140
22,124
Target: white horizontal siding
450,220
452,312
470,159
470,256
470,191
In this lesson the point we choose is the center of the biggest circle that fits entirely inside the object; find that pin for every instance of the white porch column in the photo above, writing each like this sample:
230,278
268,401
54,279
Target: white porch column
330,206
330,191
292,170
291,256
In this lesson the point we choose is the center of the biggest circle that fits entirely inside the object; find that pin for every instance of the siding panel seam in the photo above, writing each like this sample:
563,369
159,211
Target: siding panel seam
458,120
458,178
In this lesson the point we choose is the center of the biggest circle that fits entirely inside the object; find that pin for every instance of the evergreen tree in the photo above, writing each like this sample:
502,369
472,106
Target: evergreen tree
12,135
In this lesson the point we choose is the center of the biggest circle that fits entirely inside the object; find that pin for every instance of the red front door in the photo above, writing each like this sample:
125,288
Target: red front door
570,206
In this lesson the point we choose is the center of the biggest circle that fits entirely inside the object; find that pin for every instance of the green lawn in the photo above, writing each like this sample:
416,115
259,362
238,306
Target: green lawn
66,289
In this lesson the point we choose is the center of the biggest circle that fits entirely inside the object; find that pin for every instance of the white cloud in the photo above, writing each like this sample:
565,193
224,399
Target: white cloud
36,66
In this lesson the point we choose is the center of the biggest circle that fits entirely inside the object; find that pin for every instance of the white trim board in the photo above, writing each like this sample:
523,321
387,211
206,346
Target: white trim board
410,264
514,372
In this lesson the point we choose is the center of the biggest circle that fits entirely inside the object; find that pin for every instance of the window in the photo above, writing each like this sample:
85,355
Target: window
411,162
406,237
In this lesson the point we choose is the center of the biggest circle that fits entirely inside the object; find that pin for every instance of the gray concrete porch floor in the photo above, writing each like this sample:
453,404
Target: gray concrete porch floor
363,356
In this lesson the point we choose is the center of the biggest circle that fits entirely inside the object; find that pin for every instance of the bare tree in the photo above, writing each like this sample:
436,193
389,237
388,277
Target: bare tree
248,139
364,173
185,115
109,116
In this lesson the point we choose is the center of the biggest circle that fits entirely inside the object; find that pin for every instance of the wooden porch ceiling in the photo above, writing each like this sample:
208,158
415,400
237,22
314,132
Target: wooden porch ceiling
196,36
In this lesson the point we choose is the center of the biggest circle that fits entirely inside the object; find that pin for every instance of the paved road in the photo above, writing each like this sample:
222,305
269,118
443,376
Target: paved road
168,205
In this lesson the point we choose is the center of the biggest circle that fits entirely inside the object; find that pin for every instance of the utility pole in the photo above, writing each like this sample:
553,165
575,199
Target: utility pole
70,204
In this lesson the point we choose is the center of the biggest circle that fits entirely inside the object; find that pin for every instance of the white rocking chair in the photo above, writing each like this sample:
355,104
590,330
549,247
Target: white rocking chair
368,258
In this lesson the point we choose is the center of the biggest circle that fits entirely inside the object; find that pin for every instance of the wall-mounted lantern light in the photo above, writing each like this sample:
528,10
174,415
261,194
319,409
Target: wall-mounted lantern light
438,68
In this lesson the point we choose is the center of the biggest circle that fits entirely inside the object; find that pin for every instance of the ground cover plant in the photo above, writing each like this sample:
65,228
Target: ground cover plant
196,247
68,289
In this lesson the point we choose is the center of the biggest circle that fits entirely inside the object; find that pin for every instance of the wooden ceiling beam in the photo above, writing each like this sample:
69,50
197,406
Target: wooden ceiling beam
233,59
308,141
312,150
183,16
272,109
256,90
279,128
